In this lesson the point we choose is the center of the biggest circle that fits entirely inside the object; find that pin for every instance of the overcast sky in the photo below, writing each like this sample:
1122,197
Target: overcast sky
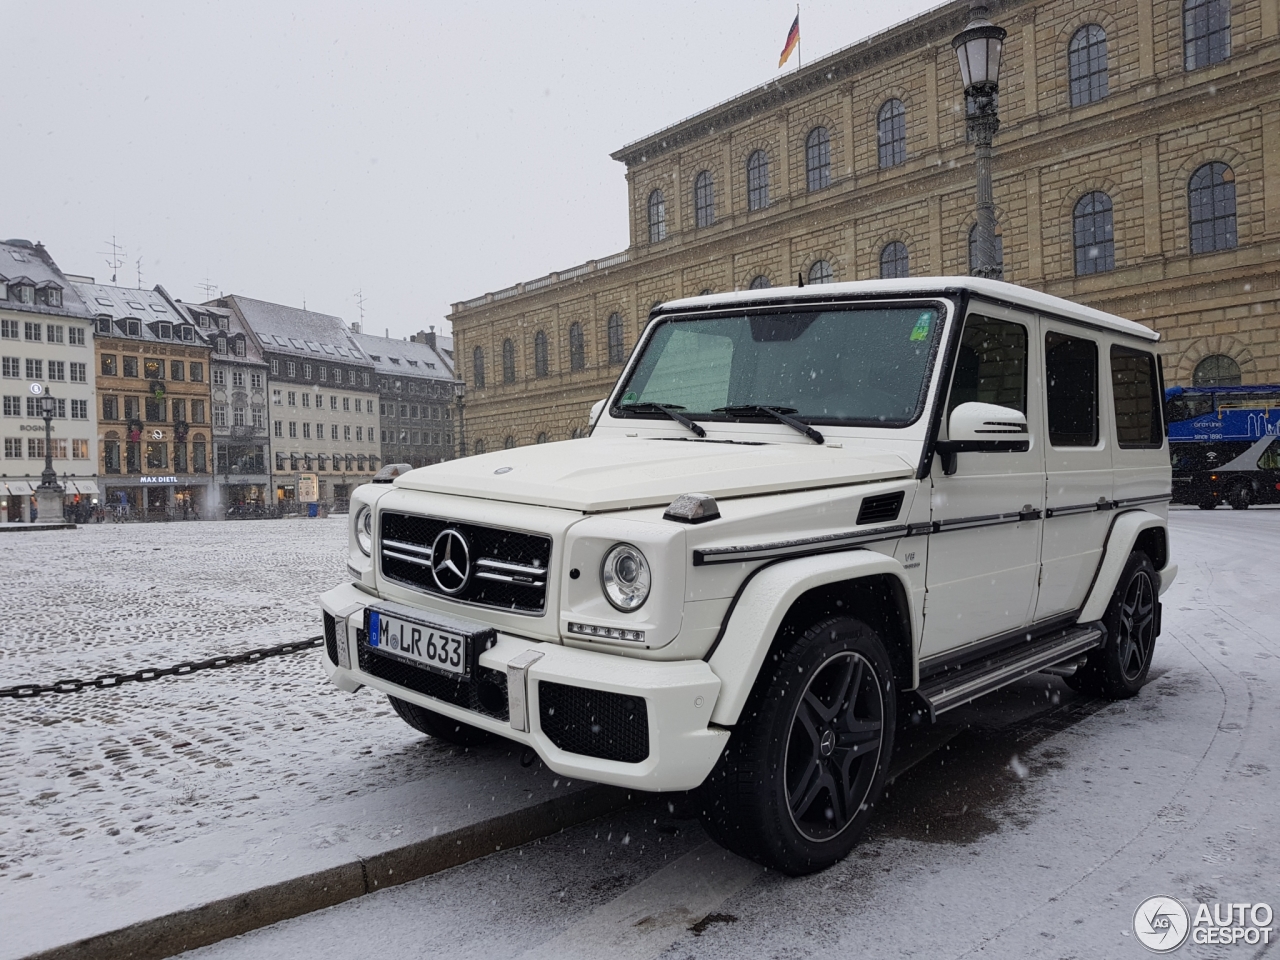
422,153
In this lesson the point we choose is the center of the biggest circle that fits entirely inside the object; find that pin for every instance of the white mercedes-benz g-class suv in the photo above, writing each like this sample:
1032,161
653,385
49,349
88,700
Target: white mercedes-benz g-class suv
798,512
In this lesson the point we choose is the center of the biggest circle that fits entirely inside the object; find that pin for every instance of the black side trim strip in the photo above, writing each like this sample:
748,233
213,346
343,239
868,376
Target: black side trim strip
788,548
1071,510
1154,498
983,649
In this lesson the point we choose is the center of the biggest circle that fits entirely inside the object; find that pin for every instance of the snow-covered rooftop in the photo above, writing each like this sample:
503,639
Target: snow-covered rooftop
304,333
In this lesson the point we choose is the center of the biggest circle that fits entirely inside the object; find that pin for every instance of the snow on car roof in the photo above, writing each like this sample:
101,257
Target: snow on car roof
916,286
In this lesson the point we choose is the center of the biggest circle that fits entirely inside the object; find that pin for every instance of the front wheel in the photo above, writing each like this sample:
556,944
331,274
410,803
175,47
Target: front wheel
438,725
1118,669
802,773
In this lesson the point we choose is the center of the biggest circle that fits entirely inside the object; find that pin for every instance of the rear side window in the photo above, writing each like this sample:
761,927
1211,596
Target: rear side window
1071,374
1135,381
1270,459
991,364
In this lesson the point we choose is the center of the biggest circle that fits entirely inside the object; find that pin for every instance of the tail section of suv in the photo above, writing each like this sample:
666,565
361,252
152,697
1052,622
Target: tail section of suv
795,509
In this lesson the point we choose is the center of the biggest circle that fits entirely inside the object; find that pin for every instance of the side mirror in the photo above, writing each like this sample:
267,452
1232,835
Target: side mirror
596,409
982,427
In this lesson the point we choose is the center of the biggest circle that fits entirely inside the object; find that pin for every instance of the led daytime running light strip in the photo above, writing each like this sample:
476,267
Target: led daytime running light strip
608,633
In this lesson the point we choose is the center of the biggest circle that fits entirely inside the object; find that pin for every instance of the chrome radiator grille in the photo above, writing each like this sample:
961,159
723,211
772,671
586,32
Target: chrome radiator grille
488,566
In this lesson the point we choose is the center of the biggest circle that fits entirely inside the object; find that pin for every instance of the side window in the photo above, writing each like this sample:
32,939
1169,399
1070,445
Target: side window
1270,459
1135,382
1071,377
991,366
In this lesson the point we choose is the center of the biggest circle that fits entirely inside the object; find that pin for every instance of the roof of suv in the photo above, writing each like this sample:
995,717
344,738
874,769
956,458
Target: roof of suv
996,290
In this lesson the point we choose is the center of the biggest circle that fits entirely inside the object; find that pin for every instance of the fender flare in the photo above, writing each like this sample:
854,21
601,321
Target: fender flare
1120,542
766,599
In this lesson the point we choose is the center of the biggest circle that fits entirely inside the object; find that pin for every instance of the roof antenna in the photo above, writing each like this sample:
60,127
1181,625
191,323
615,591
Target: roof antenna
208,287
114,257
360,302
137,264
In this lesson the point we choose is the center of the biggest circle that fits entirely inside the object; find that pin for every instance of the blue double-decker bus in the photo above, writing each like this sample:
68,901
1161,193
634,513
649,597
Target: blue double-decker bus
1225,444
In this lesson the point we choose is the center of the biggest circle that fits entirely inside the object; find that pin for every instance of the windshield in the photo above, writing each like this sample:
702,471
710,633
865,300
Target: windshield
859,365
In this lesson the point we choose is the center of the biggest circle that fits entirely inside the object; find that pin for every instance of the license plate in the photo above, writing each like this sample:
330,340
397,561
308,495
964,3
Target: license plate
434,647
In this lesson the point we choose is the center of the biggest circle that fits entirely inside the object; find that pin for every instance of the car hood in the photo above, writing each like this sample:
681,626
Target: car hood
596,475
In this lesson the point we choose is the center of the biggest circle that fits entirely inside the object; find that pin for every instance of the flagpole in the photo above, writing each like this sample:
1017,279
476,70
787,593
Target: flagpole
799,41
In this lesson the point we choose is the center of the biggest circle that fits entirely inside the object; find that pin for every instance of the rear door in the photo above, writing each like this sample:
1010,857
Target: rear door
1078,467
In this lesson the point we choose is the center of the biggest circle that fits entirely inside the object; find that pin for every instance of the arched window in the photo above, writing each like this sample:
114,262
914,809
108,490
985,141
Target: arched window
895,261
704,199
508,361
706,293
508,443
1087,64
477,368
1093,232
973,251
759,282
817,159
1216,370
540,354
616,351
478,447
758,180
1211,203
1206,32
542,438
821,272
577,349
891,132
657,217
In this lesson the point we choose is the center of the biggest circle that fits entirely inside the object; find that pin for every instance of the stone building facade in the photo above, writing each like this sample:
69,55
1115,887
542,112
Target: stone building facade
1137,170
323,400
415,398
152,369
46,338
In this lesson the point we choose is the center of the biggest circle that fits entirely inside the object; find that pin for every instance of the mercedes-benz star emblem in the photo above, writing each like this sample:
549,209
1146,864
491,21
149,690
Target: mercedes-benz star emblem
450,561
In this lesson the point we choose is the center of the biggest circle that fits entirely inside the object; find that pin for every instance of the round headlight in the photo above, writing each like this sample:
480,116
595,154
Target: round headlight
364,530
625,577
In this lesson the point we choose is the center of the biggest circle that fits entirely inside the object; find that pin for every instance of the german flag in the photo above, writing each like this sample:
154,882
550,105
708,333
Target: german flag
793,38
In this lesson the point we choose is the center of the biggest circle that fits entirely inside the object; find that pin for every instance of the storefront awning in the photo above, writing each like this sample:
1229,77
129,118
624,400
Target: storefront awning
19,487
84,487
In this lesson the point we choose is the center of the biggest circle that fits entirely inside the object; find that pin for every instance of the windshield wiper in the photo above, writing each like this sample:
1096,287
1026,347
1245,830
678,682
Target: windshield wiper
669,409
778,413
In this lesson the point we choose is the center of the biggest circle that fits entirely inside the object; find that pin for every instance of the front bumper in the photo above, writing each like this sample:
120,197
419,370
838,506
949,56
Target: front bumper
678,696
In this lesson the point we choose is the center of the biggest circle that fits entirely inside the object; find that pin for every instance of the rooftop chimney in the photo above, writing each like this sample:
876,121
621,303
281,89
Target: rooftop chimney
355,326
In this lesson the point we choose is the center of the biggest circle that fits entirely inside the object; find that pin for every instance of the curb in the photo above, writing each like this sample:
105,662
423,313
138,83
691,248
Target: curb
33,527
200,926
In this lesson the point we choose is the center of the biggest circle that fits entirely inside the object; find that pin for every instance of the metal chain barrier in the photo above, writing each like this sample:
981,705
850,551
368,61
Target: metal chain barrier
185,669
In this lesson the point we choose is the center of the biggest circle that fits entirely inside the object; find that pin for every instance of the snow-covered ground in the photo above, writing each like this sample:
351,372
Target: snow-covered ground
1035,831
87,777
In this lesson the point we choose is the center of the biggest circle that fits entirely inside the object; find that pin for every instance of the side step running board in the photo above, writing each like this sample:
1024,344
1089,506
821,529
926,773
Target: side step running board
966,684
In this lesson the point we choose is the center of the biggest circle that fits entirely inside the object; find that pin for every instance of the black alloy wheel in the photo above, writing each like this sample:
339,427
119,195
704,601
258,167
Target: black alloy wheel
1118,669
437,725
807,761
837,731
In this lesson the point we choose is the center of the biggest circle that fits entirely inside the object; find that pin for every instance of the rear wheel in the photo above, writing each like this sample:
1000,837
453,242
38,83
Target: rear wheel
438,725
1118,669
1241,496
802,773
1208,504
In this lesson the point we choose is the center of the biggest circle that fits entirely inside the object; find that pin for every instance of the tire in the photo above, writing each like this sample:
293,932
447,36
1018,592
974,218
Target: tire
1207,504
1118,669
1241,496
806,765
439,726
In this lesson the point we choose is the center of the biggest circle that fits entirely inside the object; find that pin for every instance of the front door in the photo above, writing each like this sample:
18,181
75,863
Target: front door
984,553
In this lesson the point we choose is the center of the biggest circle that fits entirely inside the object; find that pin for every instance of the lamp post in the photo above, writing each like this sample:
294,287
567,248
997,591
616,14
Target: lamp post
979,46
460,393
49,493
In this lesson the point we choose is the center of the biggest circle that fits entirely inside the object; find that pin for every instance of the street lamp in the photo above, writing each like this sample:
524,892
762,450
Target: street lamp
459,394
49,493
979,46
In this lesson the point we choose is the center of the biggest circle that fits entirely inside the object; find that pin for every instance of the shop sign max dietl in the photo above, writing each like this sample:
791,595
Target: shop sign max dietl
1163,924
